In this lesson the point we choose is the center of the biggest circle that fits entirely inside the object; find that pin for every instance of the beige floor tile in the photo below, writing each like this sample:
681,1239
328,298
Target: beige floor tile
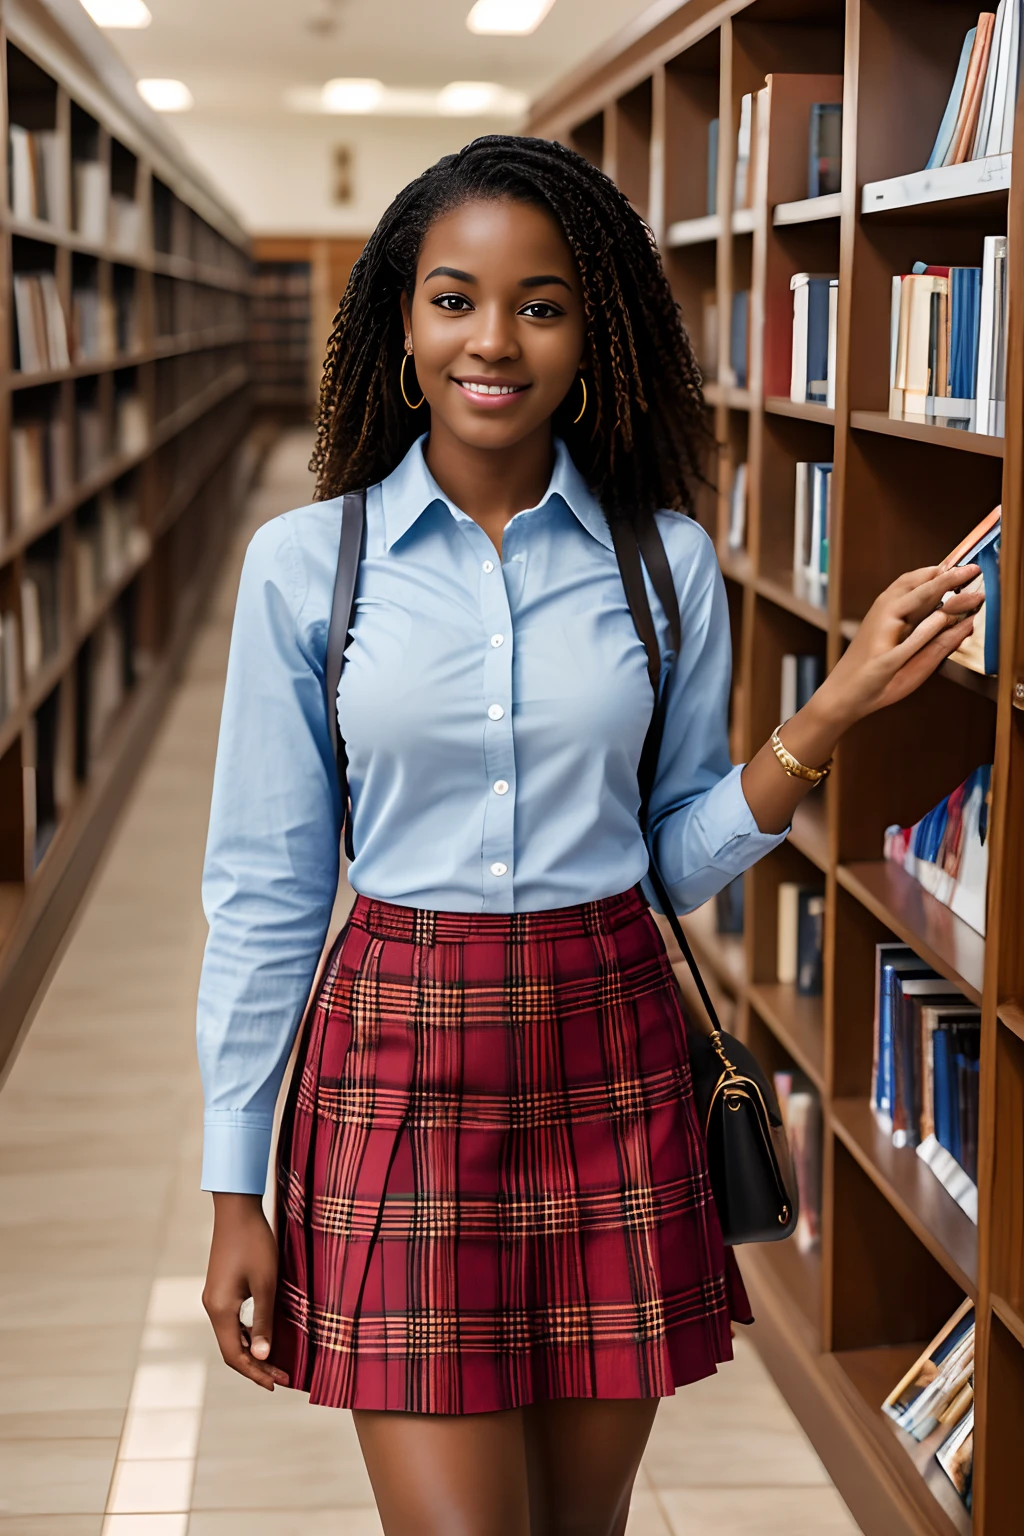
160,1434
645,1516
78,1301
757,1512
151,1487
146,1525
61,1424
51,1525
58,1350
92,1393
303,1522
55,1477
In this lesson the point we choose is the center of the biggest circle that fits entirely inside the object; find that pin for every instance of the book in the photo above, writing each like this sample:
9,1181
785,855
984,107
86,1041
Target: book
809,372
39,322
956,1455
812,511
944,137
709,333
729,907
802,675
10,663
738,508
799,936
947,850
801,1115
911,992
831,371
893,962
712,192
969,109
824,171
982,546
918,321
90,186
35,174
937,1377
742,178
739,336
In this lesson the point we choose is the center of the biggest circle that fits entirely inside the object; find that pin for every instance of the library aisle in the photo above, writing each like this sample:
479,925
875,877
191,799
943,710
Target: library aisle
116,1415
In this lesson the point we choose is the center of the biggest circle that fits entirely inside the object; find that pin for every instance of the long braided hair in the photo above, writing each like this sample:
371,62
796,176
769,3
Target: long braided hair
641,441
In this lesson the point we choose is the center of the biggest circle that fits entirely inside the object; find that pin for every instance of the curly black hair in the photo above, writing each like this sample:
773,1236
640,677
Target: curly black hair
641,442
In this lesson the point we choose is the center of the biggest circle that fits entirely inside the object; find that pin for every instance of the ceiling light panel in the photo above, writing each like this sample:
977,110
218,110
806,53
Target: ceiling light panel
127,14
165,95
352,95
508,18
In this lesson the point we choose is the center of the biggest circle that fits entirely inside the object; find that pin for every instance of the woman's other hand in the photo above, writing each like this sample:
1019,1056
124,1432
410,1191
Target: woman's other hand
243,1263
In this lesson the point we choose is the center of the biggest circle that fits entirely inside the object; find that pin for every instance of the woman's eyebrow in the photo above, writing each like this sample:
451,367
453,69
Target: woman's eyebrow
545,278
453,272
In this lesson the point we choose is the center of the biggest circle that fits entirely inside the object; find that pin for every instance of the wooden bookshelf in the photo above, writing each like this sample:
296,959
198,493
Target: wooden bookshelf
838,1327
122,463
298,282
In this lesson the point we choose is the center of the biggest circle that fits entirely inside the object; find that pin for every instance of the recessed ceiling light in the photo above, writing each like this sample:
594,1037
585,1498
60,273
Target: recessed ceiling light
469,97
118,13
353,95
165,95
508,17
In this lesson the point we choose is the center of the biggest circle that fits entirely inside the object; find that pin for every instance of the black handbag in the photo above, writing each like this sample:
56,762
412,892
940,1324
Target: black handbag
748,1156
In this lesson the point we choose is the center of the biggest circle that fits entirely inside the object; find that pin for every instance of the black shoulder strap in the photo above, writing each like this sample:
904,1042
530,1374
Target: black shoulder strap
343,612
629,544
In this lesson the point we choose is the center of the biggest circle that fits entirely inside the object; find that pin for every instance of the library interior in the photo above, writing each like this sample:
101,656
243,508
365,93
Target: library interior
827,185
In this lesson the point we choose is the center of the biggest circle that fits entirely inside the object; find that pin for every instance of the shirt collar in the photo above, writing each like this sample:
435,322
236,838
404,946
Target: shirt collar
410,489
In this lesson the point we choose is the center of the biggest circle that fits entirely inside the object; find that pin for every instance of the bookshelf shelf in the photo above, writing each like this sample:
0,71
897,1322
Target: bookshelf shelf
686,232
909,1185
948,943
974,190
926,432
807,210
124,465
802,410
838,1329
796,1022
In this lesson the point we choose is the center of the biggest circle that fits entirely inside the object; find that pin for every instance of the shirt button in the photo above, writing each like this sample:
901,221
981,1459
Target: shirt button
497,640
488,566
501,786
495,712
499,868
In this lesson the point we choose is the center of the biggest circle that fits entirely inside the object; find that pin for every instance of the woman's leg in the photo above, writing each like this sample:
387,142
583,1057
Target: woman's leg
582,1458
447,1474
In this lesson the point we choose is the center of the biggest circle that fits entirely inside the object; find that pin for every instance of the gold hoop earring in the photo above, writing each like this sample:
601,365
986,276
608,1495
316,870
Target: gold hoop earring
584,405
401,385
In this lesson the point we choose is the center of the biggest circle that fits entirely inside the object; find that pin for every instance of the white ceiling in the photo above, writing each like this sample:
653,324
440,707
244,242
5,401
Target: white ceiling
239,56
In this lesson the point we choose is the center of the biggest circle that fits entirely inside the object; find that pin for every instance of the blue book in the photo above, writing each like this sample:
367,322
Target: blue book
942,1102
891,962
713,165
817,339
988,558
738,333
944,137
824,170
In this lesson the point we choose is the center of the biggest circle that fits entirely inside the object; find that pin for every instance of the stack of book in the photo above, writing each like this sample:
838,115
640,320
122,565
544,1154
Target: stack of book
812,521
801,1114
39,318
36,174
39,466
924,1083
10,663
799,936
802,675
40,610
93,324
90,186
978,119
982,547
947,343
825,168
934,1403
108,544
738,508
947,850
815,328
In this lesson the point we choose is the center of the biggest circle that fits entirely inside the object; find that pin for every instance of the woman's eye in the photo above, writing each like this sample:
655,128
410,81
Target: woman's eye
454,303
541,309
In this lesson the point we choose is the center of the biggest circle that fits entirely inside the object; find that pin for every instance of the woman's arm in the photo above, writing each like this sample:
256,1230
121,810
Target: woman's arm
904,637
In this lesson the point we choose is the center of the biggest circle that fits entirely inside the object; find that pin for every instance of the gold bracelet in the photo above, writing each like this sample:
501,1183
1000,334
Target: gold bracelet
794,767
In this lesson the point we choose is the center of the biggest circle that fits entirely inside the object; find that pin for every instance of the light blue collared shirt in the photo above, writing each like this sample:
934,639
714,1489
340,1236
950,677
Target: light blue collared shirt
493,710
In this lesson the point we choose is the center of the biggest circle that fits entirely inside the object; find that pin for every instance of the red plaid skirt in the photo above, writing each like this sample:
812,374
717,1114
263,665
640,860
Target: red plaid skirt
492,1187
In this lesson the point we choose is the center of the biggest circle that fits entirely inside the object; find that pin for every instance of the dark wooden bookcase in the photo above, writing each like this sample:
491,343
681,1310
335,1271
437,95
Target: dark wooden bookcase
838,1327
153,419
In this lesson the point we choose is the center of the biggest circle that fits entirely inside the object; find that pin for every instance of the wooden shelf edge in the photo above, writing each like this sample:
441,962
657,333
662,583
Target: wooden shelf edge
946,188
808,210
687,232
144,260
843,1434
1012,1015
805,1044
1008,1315
774,588
927,432
876,882
904,1179
802,410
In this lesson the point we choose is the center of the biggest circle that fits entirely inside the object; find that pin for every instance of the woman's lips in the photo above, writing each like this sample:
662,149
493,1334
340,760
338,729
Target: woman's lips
479,391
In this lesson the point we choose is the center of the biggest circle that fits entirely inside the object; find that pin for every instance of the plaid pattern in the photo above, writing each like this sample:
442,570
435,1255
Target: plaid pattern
491,1183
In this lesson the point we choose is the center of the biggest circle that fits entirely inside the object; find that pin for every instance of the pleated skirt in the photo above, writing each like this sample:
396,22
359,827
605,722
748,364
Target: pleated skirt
491,1186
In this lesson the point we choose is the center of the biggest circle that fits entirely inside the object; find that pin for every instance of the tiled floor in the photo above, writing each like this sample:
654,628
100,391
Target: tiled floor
116,1417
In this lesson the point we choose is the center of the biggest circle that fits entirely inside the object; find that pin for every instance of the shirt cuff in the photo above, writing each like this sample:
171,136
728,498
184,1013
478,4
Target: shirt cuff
725,816
236,1154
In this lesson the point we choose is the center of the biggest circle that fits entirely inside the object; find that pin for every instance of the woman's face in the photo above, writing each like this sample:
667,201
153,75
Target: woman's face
497,303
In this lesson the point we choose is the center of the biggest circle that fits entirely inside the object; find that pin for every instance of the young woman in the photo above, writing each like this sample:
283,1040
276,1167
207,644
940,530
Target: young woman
496,1241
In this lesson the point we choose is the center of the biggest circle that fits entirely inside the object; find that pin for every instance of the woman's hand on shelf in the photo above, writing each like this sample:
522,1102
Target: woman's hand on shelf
907,633
243,1263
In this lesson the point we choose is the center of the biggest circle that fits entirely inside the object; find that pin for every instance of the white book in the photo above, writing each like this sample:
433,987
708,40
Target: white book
979,144
27,312
833,341
801,302
787,704
56,325
23,173
51,185
950,1175
997,388
894,331
786,932
1005,144
742,171
32,626
92,197
986,329
738,508
125,223
10,661
801,499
